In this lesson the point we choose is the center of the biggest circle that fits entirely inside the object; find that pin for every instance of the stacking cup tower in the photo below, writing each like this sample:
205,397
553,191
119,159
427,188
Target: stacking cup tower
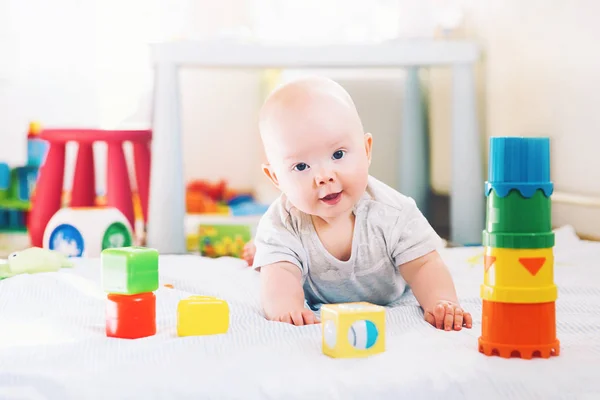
518,291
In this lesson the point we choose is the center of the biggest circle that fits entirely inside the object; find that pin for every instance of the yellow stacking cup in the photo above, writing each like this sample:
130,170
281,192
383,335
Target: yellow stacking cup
519,275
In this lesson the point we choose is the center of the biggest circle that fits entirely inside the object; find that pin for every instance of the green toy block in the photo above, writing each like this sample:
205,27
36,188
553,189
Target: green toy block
129,270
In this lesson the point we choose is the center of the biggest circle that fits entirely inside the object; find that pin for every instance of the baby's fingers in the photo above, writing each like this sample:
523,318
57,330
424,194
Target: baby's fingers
285,318
297,318
439,312
309,317
449,318
468,320
429,317
458,319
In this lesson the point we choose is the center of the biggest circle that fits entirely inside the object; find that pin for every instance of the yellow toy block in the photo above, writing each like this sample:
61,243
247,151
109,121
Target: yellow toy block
353,330
519,276
202,315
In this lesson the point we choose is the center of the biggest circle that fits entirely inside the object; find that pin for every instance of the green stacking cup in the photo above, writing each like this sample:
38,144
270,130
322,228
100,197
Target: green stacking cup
517,214
519,240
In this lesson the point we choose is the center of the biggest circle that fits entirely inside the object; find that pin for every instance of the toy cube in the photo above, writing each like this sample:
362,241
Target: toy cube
129,270
131,316
202,315
353,330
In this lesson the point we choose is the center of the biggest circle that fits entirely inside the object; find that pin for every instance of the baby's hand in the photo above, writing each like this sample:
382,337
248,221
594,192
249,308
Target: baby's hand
298,317
447,315
248,253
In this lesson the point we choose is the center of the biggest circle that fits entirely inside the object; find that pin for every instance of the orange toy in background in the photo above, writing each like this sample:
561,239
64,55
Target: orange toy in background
215,191
205,197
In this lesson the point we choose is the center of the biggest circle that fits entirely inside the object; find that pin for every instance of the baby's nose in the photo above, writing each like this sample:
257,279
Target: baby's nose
324,179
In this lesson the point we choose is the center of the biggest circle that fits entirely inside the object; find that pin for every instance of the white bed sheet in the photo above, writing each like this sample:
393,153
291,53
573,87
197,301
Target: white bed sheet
53,345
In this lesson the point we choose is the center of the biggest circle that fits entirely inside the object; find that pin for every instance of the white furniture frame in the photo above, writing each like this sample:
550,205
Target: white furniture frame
167,187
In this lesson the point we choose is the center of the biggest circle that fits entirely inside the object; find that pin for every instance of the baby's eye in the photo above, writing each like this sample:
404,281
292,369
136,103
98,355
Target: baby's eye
300,167
338,154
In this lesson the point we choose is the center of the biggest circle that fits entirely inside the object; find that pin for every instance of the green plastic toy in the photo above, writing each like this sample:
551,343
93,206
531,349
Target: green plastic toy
33,260
514,213
129,270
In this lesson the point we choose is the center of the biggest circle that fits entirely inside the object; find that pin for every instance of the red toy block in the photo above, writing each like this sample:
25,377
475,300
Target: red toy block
131,316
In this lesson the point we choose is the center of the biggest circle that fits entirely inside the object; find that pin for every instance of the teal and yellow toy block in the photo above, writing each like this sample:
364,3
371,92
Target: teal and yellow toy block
129,270
202,315
353,330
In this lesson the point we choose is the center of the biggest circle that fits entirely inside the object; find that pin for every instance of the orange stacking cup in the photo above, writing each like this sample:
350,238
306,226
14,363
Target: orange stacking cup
521,330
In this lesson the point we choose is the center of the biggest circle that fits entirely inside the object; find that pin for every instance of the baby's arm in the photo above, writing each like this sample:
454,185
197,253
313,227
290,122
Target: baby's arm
282,294
433,288
280,257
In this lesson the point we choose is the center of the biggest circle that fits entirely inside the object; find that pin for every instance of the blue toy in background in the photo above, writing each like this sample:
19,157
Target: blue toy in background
248,208
15,194
36,151
17,184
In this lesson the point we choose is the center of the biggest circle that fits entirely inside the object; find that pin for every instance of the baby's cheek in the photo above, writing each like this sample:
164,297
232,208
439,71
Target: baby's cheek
288,183
300,194
358,175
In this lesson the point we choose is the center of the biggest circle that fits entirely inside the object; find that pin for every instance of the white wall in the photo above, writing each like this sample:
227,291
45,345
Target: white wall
47,70
538,77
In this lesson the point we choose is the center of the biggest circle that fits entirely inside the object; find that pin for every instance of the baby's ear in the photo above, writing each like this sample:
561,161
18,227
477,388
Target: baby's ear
368,145
268,171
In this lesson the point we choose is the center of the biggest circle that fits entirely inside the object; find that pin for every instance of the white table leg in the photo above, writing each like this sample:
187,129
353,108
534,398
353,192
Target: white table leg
414,145
467,198
166,207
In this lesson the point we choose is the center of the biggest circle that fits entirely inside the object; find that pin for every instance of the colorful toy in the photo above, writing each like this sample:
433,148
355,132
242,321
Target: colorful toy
222,233
129,270
48,199
204,197
33,260
17,184
518,290
36,148
352,330
223,240
86,231
202,315
130,276
131,316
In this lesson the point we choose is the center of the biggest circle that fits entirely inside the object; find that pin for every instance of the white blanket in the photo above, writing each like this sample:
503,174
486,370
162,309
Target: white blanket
53,345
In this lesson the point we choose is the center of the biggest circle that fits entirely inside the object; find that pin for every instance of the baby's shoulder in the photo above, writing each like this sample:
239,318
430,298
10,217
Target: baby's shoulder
281,214
383,203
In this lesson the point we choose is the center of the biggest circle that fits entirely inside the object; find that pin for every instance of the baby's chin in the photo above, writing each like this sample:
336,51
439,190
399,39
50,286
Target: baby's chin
324,211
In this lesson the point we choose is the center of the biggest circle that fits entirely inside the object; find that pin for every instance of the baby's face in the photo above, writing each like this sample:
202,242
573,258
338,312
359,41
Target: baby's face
319,157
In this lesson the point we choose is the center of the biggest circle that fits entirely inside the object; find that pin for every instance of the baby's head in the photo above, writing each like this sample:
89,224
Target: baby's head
318,153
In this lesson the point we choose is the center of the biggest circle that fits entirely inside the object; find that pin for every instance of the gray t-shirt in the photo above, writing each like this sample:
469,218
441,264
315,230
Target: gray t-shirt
389,231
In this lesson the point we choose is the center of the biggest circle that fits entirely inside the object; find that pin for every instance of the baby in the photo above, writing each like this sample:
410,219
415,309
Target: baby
336,234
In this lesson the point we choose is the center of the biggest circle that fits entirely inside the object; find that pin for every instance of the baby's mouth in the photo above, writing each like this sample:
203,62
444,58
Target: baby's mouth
332,198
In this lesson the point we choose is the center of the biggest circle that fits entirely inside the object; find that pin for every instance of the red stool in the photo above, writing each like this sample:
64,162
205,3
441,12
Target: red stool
48,191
